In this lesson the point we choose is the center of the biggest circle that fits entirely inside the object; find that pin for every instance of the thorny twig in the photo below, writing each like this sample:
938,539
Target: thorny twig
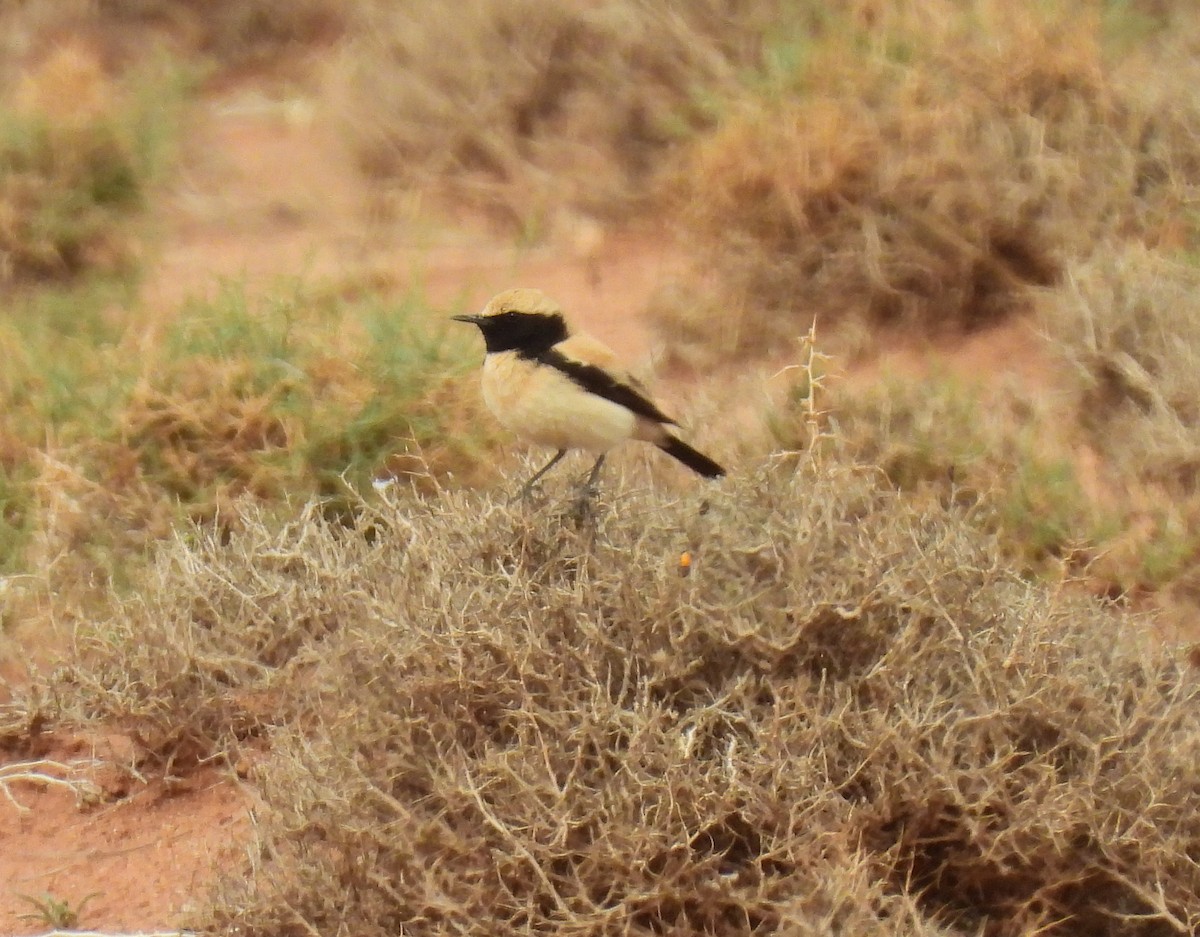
37,772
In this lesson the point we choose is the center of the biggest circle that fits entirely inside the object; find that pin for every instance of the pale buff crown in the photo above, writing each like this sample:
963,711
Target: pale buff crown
522,299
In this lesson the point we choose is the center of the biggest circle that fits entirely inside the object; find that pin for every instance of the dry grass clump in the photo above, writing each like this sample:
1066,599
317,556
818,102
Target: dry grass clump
298,393
227,33
848,717
191,661
117,428
237,33
1000,452
1127,325
928,165
78,150
528,107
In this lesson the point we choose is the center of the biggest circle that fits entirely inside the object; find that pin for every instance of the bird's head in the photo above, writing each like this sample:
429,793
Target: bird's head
523,320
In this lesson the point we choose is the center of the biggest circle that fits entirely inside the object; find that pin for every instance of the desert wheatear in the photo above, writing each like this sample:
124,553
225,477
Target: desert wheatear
565,389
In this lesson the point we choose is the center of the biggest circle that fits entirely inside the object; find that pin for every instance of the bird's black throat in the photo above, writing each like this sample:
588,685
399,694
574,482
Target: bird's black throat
529,334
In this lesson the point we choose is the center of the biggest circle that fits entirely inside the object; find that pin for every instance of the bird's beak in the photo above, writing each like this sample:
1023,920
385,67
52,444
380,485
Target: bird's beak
473,320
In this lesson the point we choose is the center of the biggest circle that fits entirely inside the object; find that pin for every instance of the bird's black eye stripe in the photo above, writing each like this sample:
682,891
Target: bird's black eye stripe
526,333
597,381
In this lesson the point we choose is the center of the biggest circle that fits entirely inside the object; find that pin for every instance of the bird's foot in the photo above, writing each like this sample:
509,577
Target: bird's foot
522,493
588,492
584,507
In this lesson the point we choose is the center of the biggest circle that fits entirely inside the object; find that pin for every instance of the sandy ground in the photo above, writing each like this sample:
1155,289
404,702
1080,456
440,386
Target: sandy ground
269,192
130,854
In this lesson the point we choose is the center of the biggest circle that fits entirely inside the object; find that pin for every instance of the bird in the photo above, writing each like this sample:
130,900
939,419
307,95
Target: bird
561,388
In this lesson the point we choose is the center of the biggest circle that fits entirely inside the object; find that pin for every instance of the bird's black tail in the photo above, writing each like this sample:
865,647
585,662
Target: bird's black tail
698,462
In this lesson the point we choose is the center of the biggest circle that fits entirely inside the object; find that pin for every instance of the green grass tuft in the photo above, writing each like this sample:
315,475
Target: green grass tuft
116,429
79,152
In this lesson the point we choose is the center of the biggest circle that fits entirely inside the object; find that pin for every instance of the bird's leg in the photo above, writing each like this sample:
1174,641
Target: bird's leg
590,488
583,505
528,486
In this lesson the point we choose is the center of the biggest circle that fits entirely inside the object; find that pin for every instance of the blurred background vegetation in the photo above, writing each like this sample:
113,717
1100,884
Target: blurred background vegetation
902,173
950,246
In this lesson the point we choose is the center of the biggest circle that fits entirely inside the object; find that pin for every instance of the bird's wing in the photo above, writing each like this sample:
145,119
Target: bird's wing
593,366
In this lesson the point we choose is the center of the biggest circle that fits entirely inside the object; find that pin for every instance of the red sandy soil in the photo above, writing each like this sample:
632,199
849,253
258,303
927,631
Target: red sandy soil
269,192
144,851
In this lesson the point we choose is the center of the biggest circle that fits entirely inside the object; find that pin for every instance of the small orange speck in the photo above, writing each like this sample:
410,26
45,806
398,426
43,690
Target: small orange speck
685,563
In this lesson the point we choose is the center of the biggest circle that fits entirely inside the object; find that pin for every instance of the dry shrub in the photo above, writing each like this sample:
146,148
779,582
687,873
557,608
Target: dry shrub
173,668
237,32
232,33
848,718
1128,324
70,171
522,108
81,146
818,213
1000,452
927,167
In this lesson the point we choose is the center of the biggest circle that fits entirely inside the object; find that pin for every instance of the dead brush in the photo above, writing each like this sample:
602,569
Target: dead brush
525,109
997,452
1125,325
849,716
79,149
194,660
927,170
232,33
